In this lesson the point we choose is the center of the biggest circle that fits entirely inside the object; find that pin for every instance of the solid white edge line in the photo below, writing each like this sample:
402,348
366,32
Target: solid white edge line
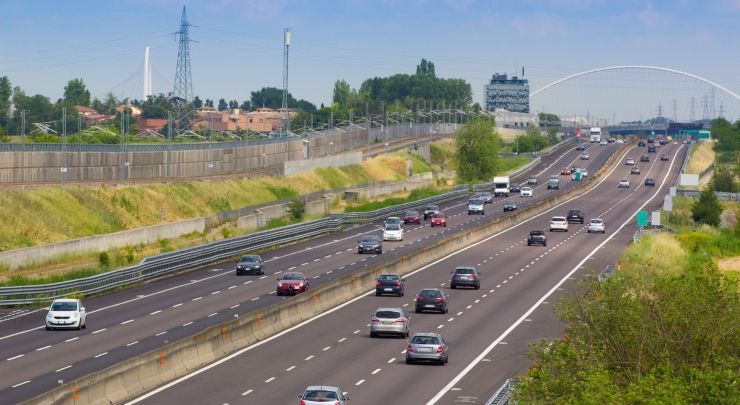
340,306
521,319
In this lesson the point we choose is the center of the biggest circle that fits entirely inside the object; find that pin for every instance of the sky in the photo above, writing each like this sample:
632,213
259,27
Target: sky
237,48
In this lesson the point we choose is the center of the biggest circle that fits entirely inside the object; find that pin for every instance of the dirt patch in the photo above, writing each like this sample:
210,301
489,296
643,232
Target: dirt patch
729,264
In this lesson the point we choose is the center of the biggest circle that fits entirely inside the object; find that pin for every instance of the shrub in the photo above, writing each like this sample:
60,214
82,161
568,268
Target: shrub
297,208
707,209
104,259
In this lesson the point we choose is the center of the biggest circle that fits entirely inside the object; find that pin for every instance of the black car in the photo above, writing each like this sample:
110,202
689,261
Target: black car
649,182
575,215
388,283
515,188
665,157
430,210
537,238
651,149
431,299
370,244
465,276
640,143
644,158
510,206
581,147
249,264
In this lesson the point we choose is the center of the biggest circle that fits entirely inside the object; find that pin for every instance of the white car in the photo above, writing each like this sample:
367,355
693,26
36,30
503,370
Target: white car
476,206
526,192
323,395
624,183
392,232
620,140
559,224
66,313
629,162
604,142
596,225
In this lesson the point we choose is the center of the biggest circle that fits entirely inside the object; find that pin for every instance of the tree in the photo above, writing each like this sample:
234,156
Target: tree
477,151
76,93
222,105
6,91
272,97
707,209
209,103
197,102
342,93
724,180
425,68
246,106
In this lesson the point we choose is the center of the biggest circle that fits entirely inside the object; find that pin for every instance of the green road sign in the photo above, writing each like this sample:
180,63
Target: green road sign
642,218
578,176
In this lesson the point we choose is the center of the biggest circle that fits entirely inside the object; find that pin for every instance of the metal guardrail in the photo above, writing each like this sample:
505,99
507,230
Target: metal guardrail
174,262
724,196
651,231
503,395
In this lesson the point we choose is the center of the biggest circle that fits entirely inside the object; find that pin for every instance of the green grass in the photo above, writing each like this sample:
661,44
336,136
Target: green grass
509,164
20,280
415,195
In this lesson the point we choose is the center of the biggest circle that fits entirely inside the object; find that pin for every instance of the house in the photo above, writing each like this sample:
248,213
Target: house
92,116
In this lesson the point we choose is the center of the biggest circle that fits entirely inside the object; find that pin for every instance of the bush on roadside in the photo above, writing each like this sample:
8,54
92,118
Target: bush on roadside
707,209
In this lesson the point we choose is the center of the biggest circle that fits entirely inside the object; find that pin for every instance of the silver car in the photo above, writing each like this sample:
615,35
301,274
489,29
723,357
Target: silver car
391,321
596,225
322,395
427,347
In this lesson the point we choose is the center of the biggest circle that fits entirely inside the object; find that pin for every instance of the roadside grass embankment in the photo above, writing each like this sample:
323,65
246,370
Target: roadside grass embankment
702,158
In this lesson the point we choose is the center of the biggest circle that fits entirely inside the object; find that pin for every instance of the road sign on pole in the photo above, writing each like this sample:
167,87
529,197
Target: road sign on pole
642,218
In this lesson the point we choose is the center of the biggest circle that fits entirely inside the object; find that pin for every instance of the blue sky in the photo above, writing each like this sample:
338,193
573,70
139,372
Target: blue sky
48,42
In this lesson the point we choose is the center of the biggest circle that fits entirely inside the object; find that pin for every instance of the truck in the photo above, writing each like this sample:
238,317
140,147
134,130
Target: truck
595,134
501,186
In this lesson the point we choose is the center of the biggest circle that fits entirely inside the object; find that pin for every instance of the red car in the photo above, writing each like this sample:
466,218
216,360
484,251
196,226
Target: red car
291,283
439,219
565,171
412,217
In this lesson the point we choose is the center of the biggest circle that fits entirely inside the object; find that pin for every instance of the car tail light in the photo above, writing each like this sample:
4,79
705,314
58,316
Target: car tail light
409,349
398,283
302,402
377,283
471,275
400,320
375,320
440,299
439,349
419,299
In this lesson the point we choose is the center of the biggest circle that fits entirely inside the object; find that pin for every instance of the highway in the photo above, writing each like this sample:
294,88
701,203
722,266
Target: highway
133,321
519,285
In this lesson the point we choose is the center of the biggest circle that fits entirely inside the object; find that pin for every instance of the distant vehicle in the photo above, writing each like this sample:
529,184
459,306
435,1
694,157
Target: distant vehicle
649,182
620,140
644,158
465,276
635,170
565,171
390,283
640,143
526,192
595,134
596,225
581,147
431,299
575,215
292,283
585,156
430,347
323,395
391,321
412,217
532,180
553,184
501,186
583,173
603,142
558,224
66,313
439,219
662,141
651,149
510,206
537,238
629,162
475,206
430,210
486,197
665,157
515,188
392,220
370,243
651,140
624,183
393,232
249,264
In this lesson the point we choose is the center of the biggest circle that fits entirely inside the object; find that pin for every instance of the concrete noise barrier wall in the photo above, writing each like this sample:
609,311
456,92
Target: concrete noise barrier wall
343,159
147,371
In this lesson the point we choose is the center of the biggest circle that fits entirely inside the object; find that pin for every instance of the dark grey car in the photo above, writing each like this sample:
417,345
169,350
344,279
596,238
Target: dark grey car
389,283
486,197
430,210
431,299
370,244
427,347
465,276
250,264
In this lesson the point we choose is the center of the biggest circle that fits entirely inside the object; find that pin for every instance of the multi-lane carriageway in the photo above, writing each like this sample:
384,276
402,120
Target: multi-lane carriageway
334,348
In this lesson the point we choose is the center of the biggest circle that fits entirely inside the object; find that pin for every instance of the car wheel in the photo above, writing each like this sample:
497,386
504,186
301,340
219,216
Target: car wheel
446,359
400,294
408,361
373,335
453,286
84,325
380,252
544,244
442,362
47,327
477,286
377,294
445,225
446,310
529,244
417,310
408,332
279,293
432,225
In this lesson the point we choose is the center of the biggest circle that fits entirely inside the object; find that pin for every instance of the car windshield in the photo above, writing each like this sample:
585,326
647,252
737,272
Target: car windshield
475,201
425,340
439,215
393,227
388,314
526,188
64,306
292,276
412,213
430,293
389,277
320,396
369,239
463,270
431,208
249,259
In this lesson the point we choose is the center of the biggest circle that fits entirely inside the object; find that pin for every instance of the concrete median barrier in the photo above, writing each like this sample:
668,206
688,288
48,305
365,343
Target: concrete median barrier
147,371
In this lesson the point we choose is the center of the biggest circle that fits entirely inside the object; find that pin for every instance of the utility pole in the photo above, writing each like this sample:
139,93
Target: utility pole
64,144
675,114
286,48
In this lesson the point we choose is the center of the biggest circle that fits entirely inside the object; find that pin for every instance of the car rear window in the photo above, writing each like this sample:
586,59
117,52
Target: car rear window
412,213
558,218
464,271
596,221
537,233
388,314
292,276
391,277
392,227
425,340
440,215
249,259
475,201
320,396
369,239
430,293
